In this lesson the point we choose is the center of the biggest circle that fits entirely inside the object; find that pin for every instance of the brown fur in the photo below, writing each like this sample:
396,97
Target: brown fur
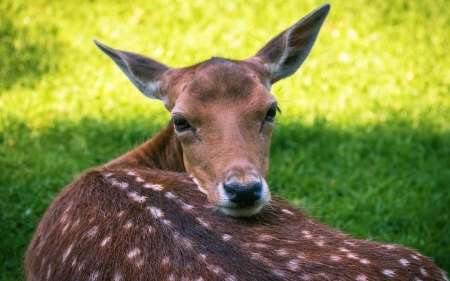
101,227
142,217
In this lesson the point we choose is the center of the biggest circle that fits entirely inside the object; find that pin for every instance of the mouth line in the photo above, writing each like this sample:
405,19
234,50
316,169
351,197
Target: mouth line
240,211
231,205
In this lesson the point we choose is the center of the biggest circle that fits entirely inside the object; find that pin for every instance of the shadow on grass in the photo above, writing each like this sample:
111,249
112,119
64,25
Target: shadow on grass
36,165
387,183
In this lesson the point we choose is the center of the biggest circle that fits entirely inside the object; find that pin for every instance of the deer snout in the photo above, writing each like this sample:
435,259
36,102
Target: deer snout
243,194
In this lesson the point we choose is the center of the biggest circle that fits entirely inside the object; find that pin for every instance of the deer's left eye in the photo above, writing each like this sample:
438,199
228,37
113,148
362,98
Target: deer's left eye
271,113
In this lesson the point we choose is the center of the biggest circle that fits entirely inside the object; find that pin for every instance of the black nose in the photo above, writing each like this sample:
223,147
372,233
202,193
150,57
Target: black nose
244,195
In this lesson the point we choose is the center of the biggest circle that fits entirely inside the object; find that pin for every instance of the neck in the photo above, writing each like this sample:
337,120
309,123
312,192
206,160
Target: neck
163,152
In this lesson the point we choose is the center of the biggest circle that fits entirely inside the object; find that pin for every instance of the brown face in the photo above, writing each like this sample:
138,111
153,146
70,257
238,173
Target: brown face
224,119
223,112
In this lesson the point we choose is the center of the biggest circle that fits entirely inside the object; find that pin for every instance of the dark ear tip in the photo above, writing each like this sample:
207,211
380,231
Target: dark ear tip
325,8
100,45
104,48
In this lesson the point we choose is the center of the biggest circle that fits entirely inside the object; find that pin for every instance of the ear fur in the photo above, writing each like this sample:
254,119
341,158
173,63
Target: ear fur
143,72
285,53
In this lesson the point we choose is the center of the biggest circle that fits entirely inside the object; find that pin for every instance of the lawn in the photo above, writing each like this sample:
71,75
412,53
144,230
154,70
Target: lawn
363,143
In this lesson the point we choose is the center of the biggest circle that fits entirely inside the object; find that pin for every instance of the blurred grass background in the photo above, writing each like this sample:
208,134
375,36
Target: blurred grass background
363,143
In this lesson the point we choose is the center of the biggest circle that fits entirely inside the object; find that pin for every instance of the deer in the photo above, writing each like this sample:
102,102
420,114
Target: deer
192,202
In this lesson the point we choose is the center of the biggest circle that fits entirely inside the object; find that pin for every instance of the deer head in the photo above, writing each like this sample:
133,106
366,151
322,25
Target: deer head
223,112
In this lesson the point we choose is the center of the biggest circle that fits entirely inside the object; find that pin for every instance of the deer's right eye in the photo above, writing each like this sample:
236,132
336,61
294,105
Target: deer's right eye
181,124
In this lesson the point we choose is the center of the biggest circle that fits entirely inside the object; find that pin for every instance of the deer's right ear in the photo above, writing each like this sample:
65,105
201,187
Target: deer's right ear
143,72
285,53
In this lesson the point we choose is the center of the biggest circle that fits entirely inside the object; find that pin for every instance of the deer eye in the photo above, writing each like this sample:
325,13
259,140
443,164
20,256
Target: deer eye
271,113
181,124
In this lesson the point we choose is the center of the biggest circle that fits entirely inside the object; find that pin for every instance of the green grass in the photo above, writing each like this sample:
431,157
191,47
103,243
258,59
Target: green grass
363,143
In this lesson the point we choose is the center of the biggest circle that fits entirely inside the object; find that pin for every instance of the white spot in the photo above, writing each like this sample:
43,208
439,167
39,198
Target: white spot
94,276
156,212
257,245
388,272
278,272
230,278
150,229
287,211
444,276
305,276
171,277
120,214
108,175
105,241
136,197
199,279
301,256
352,256
49,271
64,217
187,243
423,271
117,275
226,237
67,252
335,258
92,232
202,222
155,187
265,237
350,243
165,261
319,243
167,222
133,253
65,228
130,173
364,261
306,232
280,252
417,279
76,223
256,256
122,185
202,256
170,195
128,225
138,179
404,262
216,269
414,257
81,266
139,262
293,265
185,206
389,247
361,277
344,250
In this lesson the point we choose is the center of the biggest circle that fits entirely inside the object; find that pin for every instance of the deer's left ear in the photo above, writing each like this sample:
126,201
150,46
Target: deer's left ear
284,54
145,73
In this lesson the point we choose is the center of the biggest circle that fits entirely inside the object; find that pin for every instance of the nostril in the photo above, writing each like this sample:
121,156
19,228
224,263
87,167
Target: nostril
243,194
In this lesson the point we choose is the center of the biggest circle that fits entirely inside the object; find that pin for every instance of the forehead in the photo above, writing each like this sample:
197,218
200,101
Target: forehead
219,81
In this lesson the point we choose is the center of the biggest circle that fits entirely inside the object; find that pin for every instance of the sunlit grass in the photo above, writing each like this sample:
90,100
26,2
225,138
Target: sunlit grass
363,143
